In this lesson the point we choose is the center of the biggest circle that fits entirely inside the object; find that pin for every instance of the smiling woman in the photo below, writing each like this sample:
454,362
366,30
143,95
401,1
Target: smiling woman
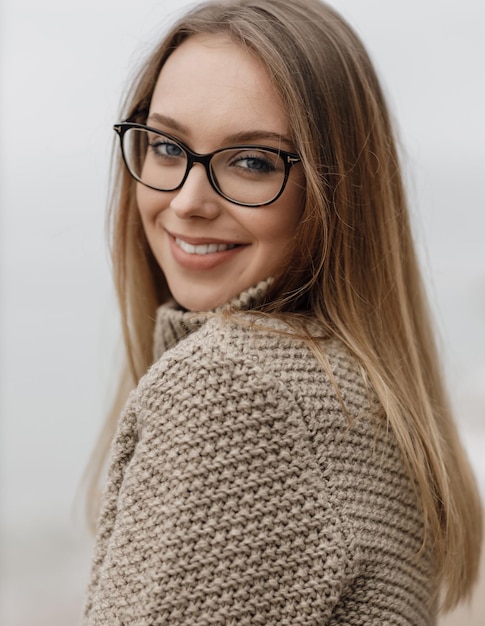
209,245
287,454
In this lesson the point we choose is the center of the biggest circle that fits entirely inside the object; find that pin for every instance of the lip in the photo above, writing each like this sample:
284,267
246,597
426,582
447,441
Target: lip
202,262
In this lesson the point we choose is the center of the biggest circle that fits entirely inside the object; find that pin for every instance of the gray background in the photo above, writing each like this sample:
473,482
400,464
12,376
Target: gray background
64,66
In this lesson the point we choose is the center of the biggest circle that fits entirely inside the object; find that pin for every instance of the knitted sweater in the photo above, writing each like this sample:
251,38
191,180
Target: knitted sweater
240,493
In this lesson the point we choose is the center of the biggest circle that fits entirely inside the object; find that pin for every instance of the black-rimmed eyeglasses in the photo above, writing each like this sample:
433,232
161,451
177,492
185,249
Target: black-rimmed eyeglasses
247,175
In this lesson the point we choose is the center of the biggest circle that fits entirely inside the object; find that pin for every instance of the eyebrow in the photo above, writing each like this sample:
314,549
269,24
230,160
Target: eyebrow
236,138
168,121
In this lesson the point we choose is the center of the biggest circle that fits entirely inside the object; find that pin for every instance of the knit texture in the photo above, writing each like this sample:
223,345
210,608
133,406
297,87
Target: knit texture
240,493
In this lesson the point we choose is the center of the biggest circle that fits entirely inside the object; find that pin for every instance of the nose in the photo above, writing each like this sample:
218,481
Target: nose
196,197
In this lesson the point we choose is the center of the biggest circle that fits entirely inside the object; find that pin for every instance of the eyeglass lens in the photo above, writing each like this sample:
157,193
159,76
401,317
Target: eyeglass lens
246,175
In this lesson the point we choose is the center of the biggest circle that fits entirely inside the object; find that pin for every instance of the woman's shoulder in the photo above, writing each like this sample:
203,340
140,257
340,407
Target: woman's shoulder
262,360
267,347
240,403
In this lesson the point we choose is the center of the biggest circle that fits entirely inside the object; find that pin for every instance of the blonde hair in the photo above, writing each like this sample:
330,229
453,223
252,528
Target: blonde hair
354,268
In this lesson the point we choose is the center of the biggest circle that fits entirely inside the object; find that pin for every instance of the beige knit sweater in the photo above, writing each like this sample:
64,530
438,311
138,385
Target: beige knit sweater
239,493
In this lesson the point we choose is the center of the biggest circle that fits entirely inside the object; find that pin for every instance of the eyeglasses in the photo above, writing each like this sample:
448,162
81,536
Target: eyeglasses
247,175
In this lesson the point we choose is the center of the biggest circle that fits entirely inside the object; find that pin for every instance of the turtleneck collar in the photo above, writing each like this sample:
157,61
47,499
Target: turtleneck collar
174,323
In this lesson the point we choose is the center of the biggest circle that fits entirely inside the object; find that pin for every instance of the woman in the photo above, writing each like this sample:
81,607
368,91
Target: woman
287,455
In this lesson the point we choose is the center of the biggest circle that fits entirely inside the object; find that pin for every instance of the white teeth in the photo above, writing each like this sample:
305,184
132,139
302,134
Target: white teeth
206,248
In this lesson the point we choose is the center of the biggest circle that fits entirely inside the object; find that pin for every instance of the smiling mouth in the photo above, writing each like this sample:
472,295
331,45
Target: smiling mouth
206,248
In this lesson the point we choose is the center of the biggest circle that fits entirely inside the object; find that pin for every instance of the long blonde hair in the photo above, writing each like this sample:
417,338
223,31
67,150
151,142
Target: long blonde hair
354,269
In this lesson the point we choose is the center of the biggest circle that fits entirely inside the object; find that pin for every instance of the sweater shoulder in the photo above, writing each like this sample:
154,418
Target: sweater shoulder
263,351
252,491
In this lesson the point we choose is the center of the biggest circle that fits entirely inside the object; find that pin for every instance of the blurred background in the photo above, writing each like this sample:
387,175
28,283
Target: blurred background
64,66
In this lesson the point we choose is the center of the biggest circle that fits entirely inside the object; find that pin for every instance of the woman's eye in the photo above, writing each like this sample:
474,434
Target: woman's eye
255,163
165,148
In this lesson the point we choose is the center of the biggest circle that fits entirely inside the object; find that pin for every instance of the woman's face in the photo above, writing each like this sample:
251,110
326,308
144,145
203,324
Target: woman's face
210,94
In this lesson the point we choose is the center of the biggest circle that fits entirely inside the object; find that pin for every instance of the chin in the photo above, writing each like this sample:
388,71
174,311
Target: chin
193,301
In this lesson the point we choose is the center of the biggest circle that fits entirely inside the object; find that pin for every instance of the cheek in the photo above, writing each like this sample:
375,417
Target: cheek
275,228
150,203
281,231
289,210
297,192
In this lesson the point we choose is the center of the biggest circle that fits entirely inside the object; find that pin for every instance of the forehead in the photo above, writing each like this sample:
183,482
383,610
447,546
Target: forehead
212,85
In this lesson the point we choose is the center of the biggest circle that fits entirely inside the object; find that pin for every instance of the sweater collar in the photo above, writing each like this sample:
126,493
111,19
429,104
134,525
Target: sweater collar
174,323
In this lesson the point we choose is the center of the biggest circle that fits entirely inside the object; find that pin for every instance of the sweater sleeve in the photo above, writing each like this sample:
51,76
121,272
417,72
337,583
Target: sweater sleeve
220,515
366,481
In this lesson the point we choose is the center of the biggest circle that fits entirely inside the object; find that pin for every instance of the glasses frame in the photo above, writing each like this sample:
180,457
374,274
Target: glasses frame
289,159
